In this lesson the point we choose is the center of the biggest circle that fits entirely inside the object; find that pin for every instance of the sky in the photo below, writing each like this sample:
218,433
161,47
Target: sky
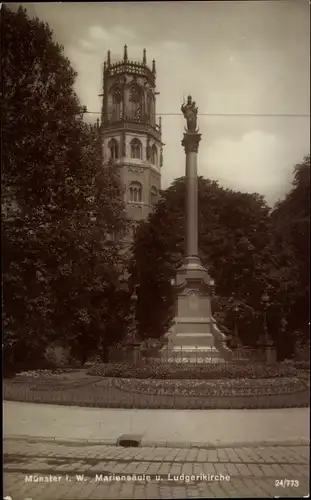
246,64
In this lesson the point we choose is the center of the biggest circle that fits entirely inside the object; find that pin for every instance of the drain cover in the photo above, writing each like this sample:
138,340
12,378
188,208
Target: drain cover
128,441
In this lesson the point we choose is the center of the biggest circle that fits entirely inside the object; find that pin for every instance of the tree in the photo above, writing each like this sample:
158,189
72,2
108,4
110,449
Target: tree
290,222
92,289
59,205
40,109
233,238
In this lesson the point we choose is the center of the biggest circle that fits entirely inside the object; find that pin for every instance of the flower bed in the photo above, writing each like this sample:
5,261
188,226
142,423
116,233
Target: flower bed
156,394
197,372
212,388
221,386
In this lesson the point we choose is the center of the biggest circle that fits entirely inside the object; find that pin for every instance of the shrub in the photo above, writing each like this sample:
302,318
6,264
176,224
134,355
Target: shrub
301,364
175,371
57,355
11,369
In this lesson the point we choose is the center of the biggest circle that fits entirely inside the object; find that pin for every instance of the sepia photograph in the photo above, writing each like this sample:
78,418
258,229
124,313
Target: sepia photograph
155,249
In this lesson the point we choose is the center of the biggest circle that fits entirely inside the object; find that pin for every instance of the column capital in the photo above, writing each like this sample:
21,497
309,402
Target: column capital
191,142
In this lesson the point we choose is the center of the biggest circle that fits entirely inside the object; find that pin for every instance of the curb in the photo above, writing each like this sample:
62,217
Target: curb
160,444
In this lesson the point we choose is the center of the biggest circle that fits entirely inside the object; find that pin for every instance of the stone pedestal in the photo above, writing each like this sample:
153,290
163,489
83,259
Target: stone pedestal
194,335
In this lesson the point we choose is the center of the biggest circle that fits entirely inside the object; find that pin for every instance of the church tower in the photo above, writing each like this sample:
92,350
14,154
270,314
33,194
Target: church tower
131,138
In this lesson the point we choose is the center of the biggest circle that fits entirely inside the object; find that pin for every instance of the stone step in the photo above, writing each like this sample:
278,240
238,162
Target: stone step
192,354
196,334
191,327
204,340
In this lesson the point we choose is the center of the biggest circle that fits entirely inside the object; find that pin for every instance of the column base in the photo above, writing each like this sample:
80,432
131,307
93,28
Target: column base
192,354
194,333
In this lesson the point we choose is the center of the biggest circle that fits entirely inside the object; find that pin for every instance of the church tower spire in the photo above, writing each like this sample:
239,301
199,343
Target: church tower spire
131,136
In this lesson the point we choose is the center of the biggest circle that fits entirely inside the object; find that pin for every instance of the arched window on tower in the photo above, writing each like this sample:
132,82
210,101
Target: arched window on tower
136,149
154,155
117,102
136,192
113,147
136,103
153,195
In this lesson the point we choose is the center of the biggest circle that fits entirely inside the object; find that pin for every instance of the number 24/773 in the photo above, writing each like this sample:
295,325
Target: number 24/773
287,483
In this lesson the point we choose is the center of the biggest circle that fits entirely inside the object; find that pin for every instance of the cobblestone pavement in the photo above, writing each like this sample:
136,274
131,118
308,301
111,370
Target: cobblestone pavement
35,470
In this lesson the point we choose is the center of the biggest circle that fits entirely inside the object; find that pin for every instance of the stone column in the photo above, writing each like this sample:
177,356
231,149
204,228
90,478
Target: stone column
191,145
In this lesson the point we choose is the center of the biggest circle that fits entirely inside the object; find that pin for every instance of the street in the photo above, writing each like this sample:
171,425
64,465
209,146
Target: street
46,470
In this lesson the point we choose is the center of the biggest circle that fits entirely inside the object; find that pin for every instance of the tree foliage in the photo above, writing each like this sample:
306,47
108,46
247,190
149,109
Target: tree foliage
290,221
233,236
59,207
249,251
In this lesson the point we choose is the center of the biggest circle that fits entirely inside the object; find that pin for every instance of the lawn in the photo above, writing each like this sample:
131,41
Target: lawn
78,388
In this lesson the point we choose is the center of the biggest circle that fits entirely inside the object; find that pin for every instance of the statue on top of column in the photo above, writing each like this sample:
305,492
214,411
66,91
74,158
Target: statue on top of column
190,112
